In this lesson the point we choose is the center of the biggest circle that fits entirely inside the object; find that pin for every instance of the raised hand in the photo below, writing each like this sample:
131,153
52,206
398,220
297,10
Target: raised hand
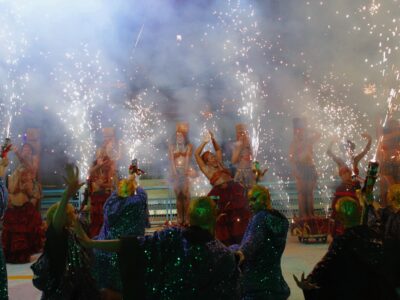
72,179
304,284
211,134
366,135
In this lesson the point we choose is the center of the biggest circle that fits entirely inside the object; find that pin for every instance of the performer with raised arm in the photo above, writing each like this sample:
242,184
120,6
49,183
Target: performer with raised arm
230,196
242,157
125,214
180,154
302,162
176,263
63,270
352,160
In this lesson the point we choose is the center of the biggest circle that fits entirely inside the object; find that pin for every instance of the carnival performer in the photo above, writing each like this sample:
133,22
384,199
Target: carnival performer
101,183
125,214
355,266
389,222
63,270
347,188
3,204
22,226
180,154
353,160
230,196
302,162
262,246
242,157
390,215
388,156
176,263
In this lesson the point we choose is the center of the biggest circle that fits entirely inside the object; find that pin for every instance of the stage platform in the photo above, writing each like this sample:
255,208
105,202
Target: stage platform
296,259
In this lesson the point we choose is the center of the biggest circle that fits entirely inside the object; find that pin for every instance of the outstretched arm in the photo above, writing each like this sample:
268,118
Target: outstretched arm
197,156
218,151
73,185
106,245
236,151
359,157
335,158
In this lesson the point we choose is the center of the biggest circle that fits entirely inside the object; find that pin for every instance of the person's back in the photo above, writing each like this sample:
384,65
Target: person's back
353,268
182,264
263,245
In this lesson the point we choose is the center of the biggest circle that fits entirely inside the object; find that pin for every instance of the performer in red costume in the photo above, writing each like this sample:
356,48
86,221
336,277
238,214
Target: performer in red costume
231,201
101,184
22,233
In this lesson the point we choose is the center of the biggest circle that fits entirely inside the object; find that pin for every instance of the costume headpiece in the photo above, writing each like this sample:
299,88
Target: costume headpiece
261,191
182,127
348,211
240,127
299,123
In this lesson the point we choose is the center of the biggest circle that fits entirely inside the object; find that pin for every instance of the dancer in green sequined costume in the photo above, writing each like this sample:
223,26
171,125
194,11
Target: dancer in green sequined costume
176,263
3,205
62,272
262,247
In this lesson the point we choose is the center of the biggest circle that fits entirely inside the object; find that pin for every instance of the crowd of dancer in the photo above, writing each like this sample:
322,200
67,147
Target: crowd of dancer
226,245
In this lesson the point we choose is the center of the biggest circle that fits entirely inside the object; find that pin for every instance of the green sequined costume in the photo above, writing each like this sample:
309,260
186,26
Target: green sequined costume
178,264
263,245
3,269
122,217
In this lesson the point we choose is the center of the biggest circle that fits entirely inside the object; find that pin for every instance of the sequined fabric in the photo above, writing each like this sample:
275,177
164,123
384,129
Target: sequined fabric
69,268
355,267
3,269
262,246
122,217
178,264
344,189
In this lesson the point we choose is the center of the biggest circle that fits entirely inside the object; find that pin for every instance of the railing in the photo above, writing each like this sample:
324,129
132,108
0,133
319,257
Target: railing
162,204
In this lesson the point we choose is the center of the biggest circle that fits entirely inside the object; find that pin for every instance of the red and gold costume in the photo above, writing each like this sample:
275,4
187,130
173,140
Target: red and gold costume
101,184
229,195
23,233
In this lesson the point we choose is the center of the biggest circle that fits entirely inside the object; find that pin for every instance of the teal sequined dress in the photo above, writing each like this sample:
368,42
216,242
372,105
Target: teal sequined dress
3,270
175,264
263,245
122,217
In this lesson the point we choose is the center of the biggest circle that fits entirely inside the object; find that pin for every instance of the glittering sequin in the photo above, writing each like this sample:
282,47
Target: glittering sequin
3,270
263,245
122,217
186,264
73,280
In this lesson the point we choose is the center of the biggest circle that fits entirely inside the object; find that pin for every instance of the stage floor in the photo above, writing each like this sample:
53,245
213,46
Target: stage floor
296,259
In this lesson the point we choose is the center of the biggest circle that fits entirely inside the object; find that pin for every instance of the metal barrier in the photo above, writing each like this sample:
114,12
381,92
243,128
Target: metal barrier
163,208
